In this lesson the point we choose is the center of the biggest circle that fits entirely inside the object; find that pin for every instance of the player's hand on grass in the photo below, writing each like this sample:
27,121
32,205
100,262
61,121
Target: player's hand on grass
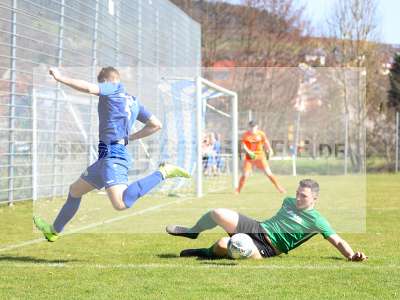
55,73
358,256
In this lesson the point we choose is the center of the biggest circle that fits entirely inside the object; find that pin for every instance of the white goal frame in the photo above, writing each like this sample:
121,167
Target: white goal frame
200,83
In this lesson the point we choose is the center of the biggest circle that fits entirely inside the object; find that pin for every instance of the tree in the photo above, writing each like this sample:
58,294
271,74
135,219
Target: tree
353,25
256,35
394,77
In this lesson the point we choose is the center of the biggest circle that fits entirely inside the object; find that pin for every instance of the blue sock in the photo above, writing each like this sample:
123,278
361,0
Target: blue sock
141,187
66,213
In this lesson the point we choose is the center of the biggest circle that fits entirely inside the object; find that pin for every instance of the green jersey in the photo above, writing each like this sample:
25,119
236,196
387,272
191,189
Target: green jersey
291,227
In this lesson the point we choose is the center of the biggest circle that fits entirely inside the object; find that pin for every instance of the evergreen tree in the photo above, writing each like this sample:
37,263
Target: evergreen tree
394,92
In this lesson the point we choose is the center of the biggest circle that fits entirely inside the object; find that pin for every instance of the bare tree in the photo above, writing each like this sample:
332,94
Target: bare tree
271,35
252,34
353,24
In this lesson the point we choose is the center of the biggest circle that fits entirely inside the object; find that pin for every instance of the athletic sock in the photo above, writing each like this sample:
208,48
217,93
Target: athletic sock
200,252
204,223
140,188
206,252
66,213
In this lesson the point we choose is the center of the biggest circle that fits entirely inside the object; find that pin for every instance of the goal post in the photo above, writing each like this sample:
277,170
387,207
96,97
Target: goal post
201,102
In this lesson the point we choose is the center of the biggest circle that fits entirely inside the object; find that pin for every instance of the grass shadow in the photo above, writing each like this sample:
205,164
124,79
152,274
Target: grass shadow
31,259
332,257
211,261
168,255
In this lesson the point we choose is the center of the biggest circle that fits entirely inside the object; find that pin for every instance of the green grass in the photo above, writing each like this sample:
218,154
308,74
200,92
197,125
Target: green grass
322,166
143,262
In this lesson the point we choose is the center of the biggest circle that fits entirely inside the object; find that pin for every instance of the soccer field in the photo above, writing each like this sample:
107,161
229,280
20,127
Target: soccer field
98,262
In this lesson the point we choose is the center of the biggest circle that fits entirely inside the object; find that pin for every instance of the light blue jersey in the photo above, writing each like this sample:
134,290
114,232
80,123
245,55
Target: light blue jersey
117,112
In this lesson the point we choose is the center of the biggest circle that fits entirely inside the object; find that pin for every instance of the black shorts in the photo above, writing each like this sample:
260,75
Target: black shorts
253,229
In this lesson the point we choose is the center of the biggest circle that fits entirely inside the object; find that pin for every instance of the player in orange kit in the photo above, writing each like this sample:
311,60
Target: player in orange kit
254,141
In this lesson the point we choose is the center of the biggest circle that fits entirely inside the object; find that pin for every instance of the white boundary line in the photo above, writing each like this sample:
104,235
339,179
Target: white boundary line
210,265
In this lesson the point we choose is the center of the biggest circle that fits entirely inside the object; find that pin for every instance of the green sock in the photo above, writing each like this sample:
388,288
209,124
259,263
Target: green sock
204,223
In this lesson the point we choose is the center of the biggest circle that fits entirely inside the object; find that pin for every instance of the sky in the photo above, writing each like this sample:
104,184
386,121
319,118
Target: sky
388,16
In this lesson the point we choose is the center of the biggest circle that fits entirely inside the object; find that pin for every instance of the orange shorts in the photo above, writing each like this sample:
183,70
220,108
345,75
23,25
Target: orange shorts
260,163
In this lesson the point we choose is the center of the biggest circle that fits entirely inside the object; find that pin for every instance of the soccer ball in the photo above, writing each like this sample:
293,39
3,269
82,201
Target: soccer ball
240,245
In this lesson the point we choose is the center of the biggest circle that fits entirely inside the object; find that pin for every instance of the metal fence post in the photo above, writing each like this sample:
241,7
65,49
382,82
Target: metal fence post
140,49
117,37
397,141
93,78
346,142
235,142
199,135
157,70
173,38
295,143
34,146
56,113
11,147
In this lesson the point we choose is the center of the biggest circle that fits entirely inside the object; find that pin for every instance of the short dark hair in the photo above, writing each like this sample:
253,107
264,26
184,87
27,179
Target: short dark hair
107,73
312,184
252,123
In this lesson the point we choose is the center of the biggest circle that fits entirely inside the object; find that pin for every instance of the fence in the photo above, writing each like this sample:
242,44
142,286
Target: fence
382,142
78,36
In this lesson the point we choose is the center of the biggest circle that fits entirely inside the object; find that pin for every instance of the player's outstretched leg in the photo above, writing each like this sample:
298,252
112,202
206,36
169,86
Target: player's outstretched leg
67,212
198,252
218,250
178,230
206,222
141,187
225,218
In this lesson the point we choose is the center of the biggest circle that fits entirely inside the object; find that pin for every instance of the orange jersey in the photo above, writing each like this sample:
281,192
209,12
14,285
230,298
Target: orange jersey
255,142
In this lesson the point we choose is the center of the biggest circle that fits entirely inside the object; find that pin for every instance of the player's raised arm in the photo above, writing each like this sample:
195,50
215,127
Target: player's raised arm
345,248
77,84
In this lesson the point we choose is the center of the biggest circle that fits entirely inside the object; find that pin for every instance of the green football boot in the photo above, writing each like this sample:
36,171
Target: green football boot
46,229
170,171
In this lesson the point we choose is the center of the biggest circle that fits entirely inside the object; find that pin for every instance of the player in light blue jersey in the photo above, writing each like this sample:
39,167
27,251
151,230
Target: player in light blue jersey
117,111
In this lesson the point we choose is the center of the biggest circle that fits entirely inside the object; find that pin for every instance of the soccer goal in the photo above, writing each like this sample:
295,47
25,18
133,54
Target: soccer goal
204,134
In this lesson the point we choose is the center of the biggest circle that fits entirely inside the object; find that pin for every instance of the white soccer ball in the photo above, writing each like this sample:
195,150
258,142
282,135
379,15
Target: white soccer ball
240,245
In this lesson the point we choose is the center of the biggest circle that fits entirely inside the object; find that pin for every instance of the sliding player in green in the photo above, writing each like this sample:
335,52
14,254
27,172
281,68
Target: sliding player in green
295,223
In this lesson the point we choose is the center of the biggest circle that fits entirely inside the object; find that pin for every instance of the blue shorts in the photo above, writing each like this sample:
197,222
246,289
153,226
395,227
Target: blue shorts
109,170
